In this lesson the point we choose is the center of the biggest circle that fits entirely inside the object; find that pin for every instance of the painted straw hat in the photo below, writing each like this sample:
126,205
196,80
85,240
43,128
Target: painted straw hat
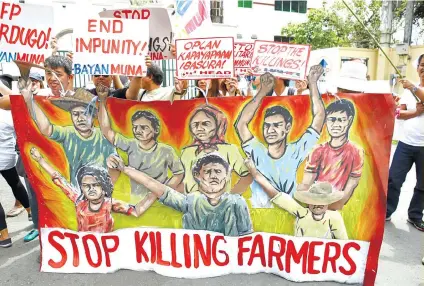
81,97
320,193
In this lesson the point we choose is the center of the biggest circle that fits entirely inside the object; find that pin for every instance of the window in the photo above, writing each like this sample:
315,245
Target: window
245,3
217,11
283,39
291,6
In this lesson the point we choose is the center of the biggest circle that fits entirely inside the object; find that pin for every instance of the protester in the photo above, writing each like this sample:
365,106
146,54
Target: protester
229,87
151,85
409,151
212,87
37,82
281,87
5,240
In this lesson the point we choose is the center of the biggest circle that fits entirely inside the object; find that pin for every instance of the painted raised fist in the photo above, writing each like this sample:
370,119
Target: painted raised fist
267,82
314,73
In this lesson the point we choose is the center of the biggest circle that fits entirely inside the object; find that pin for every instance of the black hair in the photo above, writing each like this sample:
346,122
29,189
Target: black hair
155,73
279,110
7,81
209,159
149,116
56,61
342,105
419,60
100,174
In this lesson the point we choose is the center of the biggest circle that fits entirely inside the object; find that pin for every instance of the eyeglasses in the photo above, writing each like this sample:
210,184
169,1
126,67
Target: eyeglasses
101,75
334,119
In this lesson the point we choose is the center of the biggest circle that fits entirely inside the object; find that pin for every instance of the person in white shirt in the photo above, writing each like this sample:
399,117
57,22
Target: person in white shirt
410,150
151,86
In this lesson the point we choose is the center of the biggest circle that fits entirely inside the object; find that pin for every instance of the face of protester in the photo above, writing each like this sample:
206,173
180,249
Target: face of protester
275,129
82,121
420,69
36,85
105,80
146,83
91,188
203,127
338,124
318,211
212,180
143,130
202,84
53,81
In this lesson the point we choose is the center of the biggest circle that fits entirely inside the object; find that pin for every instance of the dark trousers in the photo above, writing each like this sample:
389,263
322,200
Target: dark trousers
3,224
405,156
12,178
33,203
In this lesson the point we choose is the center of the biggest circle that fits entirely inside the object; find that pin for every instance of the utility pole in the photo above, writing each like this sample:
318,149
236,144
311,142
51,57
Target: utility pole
409,17
386,23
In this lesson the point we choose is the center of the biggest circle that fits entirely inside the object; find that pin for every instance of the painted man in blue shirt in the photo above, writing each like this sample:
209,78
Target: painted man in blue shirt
279,161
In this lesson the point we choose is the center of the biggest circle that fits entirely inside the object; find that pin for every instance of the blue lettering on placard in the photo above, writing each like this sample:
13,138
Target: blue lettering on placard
182,6
91,69
7,57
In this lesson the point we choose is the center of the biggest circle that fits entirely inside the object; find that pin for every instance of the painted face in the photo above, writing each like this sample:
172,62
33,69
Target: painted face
91,188
202,84
275,129
338,124
54,84
420,68
318,210
212,180
105,80
143,130
203,127
83,122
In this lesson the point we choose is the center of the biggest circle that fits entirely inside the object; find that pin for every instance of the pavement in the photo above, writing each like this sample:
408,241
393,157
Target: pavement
399,264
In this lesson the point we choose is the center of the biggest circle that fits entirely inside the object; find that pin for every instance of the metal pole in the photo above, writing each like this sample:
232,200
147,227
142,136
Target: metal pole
409,16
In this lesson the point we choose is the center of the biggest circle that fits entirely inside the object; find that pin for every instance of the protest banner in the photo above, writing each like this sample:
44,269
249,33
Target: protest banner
191,19
159,26
25,32
283,60
204,58
110,46
94,221
243,53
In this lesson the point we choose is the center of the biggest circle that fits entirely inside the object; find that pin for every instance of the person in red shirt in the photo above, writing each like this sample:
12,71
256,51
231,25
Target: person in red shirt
339,161
94,204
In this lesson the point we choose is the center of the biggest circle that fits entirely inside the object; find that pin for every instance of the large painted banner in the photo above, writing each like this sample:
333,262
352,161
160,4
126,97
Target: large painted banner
293,186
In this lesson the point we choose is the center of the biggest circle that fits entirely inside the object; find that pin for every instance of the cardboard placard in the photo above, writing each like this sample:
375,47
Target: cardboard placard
192,18
159,26
25,32
204,58
243,53
110,46
283,60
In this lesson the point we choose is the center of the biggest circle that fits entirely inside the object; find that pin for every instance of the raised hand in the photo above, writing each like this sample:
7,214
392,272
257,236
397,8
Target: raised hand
173,50
115,162
102,91
35,154
267,83
148,61
250,166
314,73
25,88
407,84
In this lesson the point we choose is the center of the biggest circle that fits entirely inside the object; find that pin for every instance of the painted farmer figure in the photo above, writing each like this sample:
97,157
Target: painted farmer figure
279,161
208,126
94,209
339,161
315,220
82,143
145,153
409,151
211,208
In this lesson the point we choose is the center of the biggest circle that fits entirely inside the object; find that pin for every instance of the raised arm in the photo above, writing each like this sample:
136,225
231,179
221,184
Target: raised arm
117,83
104,121
135,84
246,115
419,92
36,156
318,109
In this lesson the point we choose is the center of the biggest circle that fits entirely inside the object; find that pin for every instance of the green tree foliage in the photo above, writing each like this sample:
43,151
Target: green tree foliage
337,27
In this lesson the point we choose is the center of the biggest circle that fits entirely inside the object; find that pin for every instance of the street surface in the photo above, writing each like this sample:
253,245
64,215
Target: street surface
400,258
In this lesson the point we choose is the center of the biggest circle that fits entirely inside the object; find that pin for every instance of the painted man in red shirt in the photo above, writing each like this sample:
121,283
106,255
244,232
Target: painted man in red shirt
339,161
93,202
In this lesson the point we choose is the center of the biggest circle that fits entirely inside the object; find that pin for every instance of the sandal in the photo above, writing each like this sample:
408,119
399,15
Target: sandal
15,211
33,234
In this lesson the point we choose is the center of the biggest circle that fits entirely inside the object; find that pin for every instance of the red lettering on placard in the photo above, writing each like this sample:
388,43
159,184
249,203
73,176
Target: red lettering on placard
14,10
349,259
199,250
26,37
105,26
312,258
88,255
142,14
59,248
174,262
198,19
242,249
277,254
73,238
159,250
108,250
140,253
215,251
297,256
187,250
258,250
152,239
331,259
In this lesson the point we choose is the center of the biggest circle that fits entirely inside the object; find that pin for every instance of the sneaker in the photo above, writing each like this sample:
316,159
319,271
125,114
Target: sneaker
6,243
33,234
418,224
388,218
15,211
